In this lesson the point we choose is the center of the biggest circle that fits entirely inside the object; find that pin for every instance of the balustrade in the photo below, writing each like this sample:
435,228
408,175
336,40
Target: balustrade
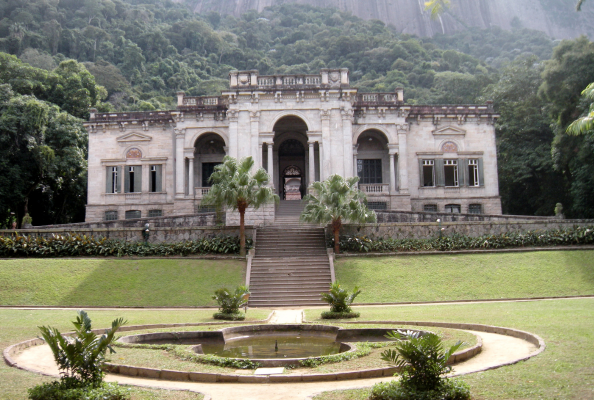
383,188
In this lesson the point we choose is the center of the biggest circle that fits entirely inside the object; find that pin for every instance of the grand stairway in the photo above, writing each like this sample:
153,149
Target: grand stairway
290,267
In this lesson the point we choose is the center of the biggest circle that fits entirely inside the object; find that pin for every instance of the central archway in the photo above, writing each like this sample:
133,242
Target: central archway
290,144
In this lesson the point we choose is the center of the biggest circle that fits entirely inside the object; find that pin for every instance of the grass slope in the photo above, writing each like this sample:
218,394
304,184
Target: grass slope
116,282
18,325
468,276
565,370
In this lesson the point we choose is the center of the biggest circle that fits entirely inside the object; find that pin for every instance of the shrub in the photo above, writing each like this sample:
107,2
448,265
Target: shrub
238,316
230,302
423,361
556,237
339,299
82,245
339,315
80,358
57,391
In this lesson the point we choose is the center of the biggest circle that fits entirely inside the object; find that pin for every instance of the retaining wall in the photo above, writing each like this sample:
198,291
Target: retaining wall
423,230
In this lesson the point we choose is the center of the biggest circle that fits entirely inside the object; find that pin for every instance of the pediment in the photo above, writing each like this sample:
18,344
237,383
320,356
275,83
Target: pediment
134,137
450,130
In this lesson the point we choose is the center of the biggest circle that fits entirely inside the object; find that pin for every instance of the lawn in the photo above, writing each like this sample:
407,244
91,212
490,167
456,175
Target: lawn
468,276
564,371
116,282
18,325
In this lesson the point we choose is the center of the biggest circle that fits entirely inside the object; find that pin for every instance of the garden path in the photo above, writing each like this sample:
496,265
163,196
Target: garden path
498,350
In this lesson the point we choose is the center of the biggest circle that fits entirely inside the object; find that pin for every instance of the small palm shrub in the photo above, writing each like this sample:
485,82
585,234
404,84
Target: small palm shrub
58,391
423,361
230,302
339,301
80,358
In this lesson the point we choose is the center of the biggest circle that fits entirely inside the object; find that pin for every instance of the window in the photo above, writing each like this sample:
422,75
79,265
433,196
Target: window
428,172
133,179
111,215
369,171
474,208
132,214
155,178
451,173
155,213
430,208
113,179
207,170
473,169
377,205
453,208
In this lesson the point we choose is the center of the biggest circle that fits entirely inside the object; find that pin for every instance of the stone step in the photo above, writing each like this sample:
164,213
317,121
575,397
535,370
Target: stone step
279,297
288,260
285,303
288,281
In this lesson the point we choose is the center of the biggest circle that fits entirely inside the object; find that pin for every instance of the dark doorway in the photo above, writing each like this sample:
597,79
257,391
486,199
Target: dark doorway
207,170
291,163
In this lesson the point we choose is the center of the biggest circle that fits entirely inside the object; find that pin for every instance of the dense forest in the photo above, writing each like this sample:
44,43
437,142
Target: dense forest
134,55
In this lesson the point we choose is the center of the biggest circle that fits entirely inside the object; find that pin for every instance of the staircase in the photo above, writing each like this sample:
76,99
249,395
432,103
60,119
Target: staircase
290,267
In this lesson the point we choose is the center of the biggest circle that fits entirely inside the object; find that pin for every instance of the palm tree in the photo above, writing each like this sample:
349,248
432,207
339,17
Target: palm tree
234,187
336,200
585,123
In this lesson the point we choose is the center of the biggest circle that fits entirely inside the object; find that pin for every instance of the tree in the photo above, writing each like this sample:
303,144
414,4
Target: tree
335,200
234,186
585,123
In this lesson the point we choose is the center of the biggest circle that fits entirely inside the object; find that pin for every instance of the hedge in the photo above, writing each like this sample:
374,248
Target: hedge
82,245
556,237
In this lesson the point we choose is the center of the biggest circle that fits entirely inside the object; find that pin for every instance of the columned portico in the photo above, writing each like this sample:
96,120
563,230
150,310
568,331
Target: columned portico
311,162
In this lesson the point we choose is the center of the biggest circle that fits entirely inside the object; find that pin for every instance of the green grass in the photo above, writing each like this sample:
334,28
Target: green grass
19,325
468,276
564,371
116,282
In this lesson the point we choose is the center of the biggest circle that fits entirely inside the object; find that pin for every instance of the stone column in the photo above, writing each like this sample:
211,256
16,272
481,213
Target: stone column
347,118
311,162
179,163
355,159
191,176
325,150
402,158
270,162
254,144
392,174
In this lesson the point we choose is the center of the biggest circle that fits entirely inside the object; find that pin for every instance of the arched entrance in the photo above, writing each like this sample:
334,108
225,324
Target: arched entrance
290,155
209,151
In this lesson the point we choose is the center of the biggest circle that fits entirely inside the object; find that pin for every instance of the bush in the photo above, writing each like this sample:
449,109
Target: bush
339,299
557,237
80,358
58,391
238,316
423,362
82,245
339,315
450,390
230,302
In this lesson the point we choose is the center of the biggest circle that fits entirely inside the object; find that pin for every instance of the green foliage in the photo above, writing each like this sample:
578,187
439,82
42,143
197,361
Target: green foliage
212,359
556,237
231,301
335,200
585,123
339,299
82,245
235,316
362,349
58,391
234,186
423,361
80,358
339,315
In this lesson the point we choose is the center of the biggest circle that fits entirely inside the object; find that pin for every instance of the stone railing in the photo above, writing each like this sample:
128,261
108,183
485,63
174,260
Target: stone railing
378,188
206,102
131,116
376,99
201,191
287,81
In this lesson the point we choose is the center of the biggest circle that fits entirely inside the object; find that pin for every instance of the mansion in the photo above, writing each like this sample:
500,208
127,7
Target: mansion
300,129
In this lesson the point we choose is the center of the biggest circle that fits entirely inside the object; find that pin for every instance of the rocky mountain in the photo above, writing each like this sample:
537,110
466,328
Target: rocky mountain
557,18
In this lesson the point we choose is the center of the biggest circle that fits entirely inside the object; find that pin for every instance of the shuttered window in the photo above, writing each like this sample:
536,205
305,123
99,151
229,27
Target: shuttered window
156,178
133,179
113,179
427,173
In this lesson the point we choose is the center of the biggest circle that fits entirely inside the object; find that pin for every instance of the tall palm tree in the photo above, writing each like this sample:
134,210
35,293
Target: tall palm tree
336,200
585,123
235,187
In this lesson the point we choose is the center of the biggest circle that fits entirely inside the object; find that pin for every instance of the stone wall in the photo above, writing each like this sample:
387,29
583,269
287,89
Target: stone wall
389,216
423,230
178,221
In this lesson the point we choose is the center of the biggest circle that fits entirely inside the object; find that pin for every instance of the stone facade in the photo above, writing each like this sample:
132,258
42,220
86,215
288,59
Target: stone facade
301,129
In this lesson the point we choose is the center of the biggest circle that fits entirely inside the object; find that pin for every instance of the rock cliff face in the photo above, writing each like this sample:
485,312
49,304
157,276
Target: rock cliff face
557,18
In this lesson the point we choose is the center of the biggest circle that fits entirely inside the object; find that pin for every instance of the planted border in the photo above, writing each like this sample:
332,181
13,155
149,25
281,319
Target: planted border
556,237
83,245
